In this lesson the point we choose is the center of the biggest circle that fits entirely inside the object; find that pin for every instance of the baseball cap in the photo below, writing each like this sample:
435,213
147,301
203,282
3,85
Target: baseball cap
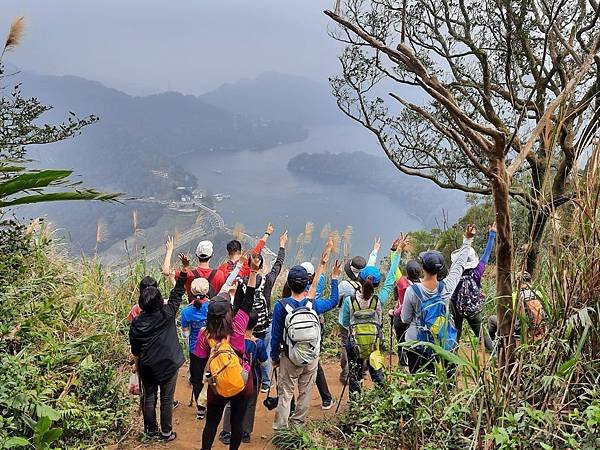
433,261
298,273
218,307
413,270
309,267
204,249
371,271
200,287
353,267
472,259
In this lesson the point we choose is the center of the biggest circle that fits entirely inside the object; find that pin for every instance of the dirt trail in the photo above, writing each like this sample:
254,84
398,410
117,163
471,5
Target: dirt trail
189,430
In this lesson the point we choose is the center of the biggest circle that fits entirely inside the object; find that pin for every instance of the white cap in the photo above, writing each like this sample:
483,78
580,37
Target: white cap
309,267
200,286
204,249
472,259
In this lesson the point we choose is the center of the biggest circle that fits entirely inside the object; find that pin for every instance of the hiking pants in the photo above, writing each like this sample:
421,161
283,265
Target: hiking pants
356,364
195,376
215,404
248,421
475,324
343,354
400,331
149,398
291,376
322,386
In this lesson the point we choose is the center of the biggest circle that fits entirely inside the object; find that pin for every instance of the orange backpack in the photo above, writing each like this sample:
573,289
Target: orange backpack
225,373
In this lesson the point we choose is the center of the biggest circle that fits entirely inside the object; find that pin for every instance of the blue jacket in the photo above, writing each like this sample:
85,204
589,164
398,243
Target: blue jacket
321,306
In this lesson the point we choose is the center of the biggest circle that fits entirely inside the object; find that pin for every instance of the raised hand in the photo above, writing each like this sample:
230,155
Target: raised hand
269,229
377,244
185,260
403,241
170,244
283,239
493,227
471,231
337,269
324,258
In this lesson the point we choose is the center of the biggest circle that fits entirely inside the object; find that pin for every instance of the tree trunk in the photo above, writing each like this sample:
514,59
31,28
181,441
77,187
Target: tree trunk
504,262
538,219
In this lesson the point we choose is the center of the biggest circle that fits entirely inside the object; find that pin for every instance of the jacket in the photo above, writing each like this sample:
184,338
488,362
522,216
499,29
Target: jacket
153,338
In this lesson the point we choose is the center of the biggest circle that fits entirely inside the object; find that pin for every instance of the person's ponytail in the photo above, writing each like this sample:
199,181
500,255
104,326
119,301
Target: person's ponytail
198,302
368,289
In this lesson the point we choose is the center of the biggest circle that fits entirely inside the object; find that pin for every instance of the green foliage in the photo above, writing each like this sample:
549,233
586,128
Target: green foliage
62,343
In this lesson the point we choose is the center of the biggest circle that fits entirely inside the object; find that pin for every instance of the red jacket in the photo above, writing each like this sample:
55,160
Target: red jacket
228,266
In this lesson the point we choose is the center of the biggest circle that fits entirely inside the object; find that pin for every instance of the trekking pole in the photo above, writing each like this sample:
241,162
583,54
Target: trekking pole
343,390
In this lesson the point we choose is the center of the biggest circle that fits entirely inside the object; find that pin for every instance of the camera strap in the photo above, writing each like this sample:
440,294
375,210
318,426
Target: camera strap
273,375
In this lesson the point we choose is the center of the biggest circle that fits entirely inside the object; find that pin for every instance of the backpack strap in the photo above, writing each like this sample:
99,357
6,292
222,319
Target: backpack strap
309,304
211,276
441,287
373,302
196,273
355,304
285,302
417,290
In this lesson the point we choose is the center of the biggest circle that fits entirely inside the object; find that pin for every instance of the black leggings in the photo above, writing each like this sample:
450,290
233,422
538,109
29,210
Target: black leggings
195,376
214,412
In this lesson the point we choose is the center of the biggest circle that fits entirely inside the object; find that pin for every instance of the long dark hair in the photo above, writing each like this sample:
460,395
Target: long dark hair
368,289
286,291
219,327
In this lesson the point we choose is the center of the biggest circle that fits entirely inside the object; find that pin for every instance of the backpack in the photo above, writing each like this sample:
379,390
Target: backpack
364,327
260,306
434,321
301,333
469,298
225,373
535,312
211,291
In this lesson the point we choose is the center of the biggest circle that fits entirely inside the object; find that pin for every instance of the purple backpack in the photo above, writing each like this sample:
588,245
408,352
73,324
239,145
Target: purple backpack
469,298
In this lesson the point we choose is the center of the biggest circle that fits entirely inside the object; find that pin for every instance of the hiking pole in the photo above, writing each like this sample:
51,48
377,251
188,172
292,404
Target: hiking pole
343,390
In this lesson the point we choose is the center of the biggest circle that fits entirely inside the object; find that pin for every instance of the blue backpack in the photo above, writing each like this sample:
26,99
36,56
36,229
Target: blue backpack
434,322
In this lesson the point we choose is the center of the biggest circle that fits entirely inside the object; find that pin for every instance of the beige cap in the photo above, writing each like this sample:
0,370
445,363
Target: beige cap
200,286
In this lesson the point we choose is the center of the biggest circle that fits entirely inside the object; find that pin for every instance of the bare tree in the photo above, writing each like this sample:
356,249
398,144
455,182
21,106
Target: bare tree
490,97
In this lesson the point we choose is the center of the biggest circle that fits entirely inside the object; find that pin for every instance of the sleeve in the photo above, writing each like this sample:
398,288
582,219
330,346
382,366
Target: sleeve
261,353
248,300
488,247
372,258
185,323
202,349
321,286
277,330
271,277
176,294
457,269
231,278
323,305
136,349
408,306
238,299
240,323
390,279
345,313
398,272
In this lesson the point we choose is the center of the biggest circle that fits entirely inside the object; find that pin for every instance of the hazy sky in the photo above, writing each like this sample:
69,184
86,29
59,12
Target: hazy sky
145,46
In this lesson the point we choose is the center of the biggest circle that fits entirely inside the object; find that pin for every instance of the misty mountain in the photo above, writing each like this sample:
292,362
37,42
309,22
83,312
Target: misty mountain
364,172
138,147
277,96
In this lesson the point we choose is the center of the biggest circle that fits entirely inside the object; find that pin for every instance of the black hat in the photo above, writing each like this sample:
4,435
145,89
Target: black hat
413,270
218,306
433,261
358,263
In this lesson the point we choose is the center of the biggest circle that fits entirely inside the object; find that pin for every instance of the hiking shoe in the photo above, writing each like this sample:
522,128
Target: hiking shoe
225,437
175,404
264,388
200,413
246,438
328,404
168,437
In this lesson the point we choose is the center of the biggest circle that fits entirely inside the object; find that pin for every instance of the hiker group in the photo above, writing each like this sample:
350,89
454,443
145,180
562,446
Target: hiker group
241,343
